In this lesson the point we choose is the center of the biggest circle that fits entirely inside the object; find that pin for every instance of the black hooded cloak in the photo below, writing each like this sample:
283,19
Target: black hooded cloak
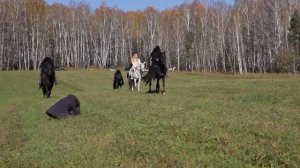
65,107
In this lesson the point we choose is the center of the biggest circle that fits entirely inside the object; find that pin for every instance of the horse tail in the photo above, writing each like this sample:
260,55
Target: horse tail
149,76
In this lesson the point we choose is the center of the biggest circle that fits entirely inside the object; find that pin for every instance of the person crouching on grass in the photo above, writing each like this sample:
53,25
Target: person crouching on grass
65,107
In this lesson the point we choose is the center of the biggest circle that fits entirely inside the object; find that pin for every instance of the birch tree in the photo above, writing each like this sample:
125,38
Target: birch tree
251,36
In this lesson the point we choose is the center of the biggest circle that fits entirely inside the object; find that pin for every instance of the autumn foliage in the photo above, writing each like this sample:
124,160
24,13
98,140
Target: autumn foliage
251,36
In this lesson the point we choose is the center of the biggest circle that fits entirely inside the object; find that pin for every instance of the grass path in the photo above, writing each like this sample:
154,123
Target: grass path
203,120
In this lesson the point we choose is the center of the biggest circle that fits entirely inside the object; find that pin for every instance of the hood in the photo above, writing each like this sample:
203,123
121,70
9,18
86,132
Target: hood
72,97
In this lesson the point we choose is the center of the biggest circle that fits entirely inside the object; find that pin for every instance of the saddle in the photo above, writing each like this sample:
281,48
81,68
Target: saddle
133,73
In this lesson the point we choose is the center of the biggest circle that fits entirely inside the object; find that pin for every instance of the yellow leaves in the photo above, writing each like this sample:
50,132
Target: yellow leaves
36,10
58,11
199,10
103,12
170,15
170,18
150,9
136,21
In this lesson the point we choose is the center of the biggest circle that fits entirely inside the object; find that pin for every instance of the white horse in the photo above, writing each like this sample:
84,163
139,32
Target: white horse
135,76
143,69
172,69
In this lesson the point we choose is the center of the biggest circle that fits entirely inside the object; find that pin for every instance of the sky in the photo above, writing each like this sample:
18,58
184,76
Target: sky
131,5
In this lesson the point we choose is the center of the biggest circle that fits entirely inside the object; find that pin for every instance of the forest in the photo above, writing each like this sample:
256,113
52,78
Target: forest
252,36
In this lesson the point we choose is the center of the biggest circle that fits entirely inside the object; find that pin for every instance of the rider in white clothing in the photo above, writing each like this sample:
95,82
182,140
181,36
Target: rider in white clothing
135,61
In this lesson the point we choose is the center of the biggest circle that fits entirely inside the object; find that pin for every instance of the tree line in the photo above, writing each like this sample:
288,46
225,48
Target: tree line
256,36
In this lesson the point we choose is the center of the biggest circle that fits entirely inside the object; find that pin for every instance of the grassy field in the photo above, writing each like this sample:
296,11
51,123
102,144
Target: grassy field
203,120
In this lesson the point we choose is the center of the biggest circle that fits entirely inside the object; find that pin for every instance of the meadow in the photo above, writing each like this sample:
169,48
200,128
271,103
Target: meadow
203,120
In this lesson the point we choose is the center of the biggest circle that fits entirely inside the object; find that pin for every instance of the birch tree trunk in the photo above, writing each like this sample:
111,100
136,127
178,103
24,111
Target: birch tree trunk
237,37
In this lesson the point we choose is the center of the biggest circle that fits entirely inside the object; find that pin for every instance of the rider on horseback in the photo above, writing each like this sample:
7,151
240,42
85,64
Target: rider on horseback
135,63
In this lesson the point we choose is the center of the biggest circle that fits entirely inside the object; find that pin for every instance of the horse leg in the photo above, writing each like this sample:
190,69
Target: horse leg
157,85
47,92
129,82
44,90
51,87
163,81
149,87
139,81
132,85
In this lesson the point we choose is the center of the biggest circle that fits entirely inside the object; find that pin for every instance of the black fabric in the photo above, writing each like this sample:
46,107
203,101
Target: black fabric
47,76
127,68
65,107
118,80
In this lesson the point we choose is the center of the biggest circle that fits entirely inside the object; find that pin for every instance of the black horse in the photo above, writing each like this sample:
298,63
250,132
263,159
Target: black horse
118,80
157,70
47,76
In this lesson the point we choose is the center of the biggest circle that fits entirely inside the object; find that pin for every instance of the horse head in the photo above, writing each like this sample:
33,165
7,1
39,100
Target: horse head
142,66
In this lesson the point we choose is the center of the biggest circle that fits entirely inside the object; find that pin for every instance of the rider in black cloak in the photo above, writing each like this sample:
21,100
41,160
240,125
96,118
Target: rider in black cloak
158,68
47,76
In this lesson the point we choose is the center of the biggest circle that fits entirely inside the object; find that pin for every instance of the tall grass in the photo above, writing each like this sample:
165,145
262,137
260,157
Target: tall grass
203,120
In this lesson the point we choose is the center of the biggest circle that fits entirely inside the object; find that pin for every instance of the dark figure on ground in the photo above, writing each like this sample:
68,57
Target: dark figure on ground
65,107
157,69
118,80
47,76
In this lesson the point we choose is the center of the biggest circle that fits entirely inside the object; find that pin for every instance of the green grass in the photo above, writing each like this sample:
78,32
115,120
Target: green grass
203,120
